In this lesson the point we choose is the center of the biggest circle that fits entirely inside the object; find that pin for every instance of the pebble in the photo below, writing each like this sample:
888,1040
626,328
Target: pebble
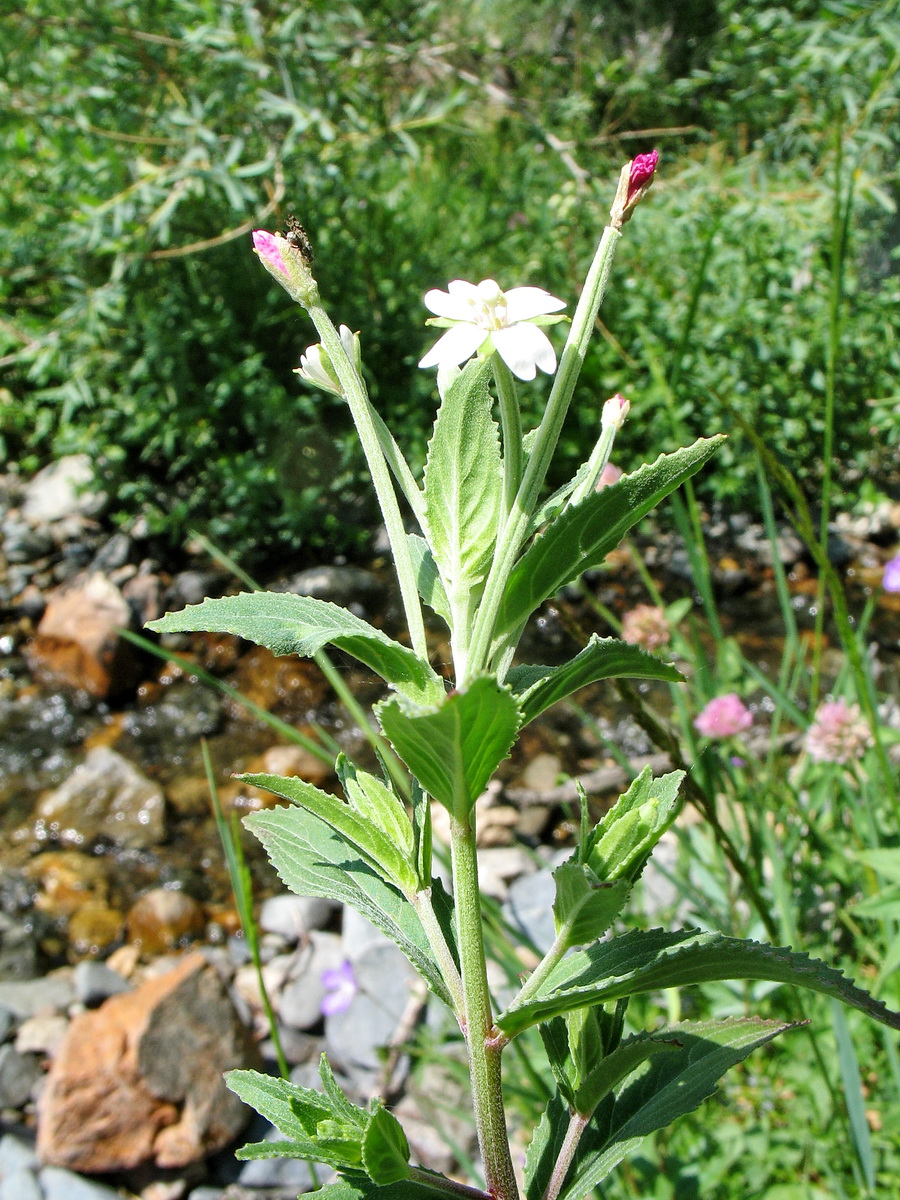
62,489
41,1034
26,998
21,1184
499,865
293,916
18,1075
164,918
7,1021
300,1002
15,1155
60,1184
293,1173
529,906
94,982
18,950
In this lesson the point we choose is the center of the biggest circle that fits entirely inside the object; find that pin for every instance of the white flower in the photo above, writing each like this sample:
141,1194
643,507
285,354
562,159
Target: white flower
482,313
316,368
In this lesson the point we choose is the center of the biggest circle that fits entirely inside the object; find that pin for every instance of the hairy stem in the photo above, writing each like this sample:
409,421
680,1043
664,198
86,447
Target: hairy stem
577,1124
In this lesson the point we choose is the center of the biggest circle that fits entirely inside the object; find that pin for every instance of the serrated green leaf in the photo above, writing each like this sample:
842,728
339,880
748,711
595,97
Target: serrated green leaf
645,961
361,831
608,1073
884,906
672,1085
537,688
289,624
463,482
585,907
356,1187
385,1150
312,859
454,751
428,579
585,533
343,1108
555,1037
294,1110
544,1147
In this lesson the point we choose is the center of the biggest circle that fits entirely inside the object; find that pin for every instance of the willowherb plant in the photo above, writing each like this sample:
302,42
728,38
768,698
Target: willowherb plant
490,549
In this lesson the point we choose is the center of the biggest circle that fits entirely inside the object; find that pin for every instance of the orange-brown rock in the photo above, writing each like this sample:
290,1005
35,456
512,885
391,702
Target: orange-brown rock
164,919
139,1080
77,643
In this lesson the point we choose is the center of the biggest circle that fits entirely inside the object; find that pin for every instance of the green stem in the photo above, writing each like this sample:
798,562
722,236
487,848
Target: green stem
482,1040
448,1187
421,901
355,394
511,426
510,541
577,1125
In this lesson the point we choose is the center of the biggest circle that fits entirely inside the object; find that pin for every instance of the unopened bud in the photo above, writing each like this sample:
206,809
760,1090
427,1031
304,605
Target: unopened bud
288,263
316,366
634,180
615,410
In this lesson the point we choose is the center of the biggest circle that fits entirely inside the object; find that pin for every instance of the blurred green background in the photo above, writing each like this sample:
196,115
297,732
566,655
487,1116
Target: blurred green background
418,142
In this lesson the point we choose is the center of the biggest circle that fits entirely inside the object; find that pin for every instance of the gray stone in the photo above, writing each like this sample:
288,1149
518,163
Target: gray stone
16,1155
498,866
293,916
18,950
18,1075
106,797
7,1021
41,1034
62,490
21,543
340,585
291,1173
530,907
359,934
20,1184
25,997
60,1184
95,982
300,1001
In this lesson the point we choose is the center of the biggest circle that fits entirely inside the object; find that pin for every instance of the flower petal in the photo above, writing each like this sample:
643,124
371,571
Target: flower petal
523,348
523,303
266,246
456,303
455,346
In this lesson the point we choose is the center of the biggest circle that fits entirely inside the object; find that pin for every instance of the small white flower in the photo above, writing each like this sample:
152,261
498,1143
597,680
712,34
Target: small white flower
481,313
316,368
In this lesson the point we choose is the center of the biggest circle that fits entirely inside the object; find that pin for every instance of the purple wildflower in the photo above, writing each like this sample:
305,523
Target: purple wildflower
340,987
724,717
838,733
646,626
643,168
890,580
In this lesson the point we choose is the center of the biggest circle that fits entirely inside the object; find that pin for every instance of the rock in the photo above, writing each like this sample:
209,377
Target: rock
184,712
68,879
59,1184
499,865
287,1173
21,543
21,1184
164,919
113,554
300,1000
26,998
106,797
18,950
139,1080
41,1034
77,640
18,1075
7,1020
294,916
16,1155
95,982
94,927
530,907
340,585
359,934
62,490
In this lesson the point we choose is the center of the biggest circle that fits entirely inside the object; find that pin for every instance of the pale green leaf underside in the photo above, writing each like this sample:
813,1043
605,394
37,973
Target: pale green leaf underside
428,580
463,481
289,624
584,534
536,688
313,860
643,961
377,849
454,751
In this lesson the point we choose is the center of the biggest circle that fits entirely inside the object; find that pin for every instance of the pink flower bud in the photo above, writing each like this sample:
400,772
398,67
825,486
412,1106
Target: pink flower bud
646,626
643,168
266,246
615,410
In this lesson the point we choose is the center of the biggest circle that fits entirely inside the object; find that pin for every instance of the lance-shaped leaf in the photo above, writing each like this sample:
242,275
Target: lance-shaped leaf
428,580
671,1085
289,624
536,688
375,845
376,802
455,750
385,1150
620,844
314,860
585,907
463,481
585,533
645,961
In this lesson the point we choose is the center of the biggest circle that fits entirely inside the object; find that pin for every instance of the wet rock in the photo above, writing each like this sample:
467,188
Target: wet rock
106,797
184,713
19,1073
7,1020
95,982
77,640
292,687
113,554
18,949
139,1079
67,879
143,592
95,927
164,919
62,490
190,587
292,917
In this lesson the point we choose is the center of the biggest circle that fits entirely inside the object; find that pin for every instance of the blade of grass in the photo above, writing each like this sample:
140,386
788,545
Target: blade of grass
852,1084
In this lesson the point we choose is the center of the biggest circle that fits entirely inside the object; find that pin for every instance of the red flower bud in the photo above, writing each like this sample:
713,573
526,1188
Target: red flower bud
643,167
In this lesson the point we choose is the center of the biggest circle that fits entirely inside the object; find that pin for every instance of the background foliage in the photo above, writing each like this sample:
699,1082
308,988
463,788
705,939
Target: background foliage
419,141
